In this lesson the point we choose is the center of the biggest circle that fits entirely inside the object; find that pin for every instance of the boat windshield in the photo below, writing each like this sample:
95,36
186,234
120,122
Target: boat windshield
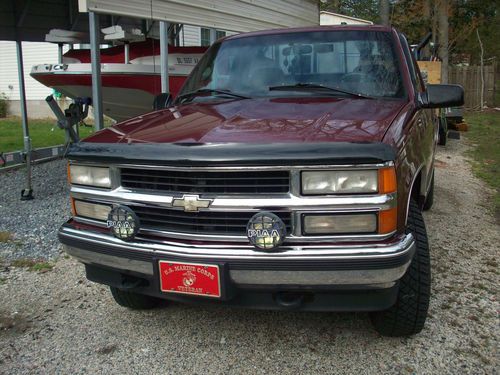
350,63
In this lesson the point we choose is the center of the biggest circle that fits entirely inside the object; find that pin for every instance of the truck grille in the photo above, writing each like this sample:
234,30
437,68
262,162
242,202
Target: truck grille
204,222
213,182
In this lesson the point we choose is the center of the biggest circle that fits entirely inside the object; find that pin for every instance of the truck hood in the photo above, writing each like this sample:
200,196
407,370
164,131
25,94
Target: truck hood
262,120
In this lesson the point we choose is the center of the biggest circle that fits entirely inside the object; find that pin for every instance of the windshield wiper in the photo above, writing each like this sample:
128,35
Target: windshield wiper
192,94
313,86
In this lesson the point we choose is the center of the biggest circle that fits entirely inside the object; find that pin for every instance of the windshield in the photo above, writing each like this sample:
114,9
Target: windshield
356,62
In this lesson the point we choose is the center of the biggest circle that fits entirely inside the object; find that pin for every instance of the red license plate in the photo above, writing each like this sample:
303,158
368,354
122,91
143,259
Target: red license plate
190,278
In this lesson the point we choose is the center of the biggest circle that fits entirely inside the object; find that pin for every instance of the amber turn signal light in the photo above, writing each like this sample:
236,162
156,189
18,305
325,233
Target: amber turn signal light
73,208
387,180
71,199
387,221
68,171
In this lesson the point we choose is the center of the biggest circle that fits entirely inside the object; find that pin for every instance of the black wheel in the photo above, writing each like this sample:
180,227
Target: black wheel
443,132
429,200
133,300
407,316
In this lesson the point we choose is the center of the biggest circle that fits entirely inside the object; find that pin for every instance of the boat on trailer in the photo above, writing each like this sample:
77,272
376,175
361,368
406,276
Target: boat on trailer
130,73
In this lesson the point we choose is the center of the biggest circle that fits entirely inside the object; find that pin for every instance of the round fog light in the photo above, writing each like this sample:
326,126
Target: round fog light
266,231
123,222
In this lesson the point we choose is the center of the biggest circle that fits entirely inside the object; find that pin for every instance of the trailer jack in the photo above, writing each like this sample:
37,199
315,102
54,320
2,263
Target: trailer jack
72,116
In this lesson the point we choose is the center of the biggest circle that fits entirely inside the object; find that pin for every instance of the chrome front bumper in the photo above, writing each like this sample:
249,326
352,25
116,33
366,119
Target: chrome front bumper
378,265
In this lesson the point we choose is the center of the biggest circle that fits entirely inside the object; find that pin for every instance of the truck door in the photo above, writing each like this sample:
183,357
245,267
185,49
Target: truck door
426,127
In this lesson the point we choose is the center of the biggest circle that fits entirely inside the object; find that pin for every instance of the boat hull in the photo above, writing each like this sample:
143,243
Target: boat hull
128,90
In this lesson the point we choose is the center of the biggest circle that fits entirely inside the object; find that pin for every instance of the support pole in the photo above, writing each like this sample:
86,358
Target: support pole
26,194
165,88
213,36
126,49
96,70
60,53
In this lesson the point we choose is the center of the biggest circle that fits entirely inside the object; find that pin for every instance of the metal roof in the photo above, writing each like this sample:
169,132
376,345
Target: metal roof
30,20
233,15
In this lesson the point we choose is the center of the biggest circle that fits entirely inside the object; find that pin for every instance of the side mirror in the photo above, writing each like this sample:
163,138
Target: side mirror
443,96
162,101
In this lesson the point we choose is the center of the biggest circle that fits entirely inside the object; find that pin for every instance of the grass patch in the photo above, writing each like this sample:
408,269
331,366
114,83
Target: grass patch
484,131
9,237
5,237
42,266
480,286
43,133
23,263
32,264
2,280
492,263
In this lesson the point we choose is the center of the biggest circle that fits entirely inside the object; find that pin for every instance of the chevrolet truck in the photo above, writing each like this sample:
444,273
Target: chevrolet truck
289,173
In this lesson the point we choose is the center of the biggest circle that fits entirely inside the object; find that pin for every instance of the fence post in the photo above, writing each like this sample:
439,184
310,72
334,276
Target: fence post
482,68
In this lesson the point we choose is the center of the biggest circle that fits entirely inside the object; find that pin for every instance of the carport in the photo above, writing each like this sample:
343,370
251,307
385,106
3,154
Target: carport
27,20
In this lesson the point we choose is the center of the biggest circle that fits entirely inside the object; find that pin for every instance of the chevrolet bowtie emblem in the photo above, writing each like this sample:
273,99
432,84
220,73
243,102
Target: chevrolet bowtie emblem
191,203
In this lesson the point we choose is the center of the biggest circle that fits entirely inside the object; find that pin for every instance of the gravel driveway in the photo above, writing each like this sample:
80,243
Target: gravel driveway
57,322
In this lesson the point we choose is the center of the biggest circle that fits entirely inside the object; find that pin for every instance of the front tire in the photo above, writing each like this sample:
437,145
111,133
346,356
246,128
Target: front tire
429,200
132,300
407,316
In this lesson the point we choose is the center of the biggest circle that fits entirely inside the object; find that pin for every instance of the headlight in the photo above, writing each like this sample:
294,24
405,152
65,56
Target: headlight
339,182
92,210
91,176
340,223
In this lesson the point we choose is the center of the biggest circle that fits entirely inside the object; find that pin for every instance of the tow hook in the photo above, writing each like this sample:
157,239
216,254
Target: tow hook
289,300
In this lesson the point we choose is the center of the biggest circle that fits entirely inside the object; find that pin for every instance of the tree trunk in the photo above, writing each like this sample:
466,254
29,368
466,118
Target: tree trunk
384,12
330,6
443,39
336,6
426,10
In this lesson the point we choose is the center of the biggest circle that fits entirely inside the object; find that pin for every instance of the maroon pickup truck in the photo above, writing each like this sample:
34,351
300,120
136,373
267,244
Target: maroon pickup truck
289,173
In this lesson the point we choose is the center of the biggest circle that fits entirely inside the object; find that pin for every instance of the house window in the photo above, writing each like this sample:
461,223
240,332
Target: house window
205,36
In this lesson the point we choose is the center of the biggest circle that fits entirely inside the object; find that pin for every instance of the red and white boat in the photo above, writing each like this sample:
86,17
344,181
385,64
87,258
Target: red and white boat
128,88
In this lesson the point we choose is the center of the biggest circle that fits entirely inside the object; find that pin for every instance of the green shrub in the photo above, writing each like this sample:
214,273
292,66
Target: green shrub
3,105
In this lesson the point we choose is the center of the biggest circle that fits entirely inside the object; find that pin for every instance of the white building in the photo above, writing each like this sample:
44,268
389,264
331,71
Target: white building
329,18
33,53
198,36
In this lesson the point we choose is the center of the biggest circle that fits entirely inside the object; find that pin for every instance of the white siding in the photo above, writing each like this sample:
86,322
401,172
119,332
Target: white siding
33,53
190,36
